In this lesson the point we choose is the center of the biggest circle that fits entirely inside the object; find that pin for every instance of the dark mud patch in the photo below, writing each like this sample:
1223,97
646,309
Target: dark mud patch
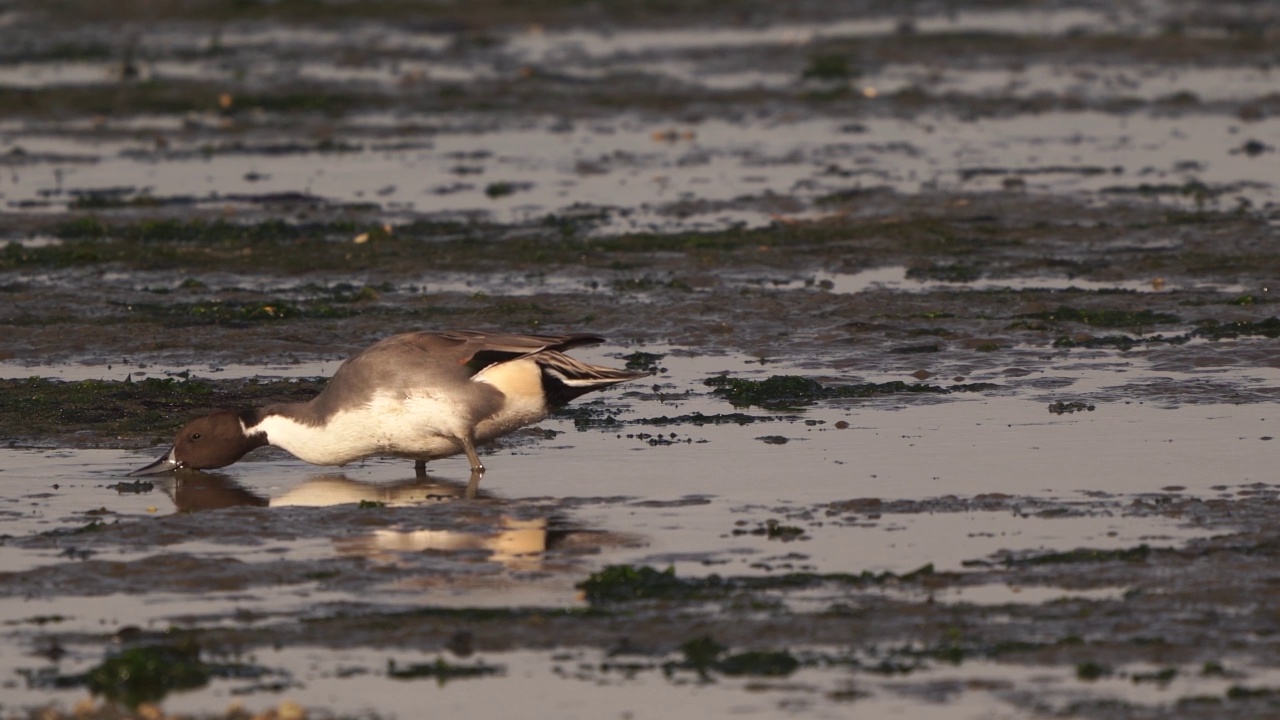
357,292
143,412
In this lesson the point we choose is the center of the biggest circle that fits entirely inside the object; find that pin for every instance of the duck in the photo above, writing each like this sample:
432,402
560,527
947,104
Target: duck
419,395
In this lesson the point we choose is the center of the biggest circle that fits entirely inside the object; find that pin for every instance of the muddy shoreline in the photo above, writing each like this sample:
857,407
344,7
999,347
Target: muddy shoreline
962,325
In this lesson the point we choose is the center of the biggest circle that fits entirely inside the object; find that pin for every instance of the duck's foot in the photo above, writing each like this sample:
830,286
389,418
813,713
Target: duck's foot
420,468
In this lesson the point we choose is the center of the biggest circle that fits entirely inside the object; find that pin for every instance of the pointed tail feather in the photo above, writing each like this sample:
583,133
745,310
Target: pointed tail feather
565,378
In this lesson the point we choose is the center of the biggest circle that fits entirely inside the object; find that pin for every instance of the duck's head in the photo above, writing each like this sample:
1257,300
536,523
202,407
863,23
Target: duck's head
213,441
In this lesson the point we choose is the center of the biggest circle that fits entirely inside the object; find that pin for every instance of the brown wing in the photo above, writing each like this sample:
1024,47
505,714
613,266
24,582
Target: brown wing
472,342
406,362
477,350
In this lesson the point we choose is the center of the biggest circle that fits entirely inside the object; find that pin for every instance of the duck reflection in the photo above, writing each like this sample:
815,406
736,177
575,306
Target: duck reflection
338,489
515,543
198,491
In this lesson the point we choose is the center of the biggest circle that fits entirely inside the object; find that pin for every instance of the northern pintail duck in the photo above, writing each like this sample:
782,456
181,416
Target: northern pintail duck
422,396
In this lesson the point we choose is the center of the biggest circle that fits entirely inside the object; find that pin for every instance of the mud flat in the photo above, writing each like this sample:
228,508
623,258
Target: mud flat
961,323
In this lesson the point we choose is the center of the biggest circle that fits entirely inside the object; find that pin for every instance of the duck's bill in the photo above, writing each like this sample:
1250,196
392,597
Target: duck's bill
165,464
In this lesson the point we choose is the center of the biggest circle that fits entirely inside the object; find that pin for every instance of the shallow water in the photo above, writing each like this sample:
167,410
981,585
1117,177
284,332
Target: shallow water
555,508
652,175
1067,207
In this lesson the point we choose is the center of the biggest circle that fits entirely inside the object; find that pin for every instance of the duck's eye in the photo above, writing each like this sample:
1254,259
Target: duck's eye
195,436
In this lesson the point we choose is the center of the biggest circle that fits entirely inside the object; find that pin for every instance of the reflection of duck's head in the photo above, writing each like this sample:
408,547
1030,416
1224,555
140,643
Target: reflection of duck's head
197,491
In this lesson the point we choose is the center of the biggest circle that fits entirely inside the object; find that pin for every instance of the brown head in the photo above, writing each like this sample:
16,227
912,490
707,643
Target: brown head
213,441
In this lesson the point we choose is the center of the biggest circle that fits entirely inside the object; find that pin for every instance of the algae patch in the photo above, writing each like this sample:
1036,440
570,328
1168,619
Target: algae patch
1104,317
790,391
40,408
625,583
148,673
440,670
703,655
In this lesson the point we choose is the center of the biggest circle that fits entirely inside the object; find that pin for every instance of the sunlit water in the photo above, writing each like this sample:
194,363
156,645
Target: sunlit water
686,496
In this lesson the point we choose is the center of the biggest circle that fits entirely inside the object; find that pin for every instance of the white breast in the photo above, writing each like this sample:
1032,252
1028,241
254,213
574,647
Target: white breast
420,426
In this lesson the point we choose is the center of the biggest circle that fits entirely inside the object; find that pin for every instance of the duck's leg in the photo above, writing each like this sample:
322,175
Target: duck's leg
477,468
469,446
474,484
420,468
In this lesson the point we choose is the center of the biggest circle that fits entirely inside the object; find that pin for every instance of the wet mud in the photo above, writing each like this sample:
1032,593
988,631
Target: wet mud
961,325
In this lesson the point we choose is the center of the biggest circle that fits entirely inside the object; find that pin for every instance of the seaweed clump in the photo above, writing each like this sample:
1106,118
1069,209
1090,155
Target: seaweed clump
702,654
789,391
1104,318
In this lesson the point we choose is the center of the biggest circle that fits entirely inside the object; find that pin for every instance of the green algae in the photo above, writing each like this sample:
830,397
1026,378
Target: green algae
1067,408
626,583
137,487
1192,188
441,671
1091,671
1215,330
953,273
1138,554
645,362
759,663
275,245
917,349
703,655
1123,343
176,97
503,189
1242,692
700,654
237,314
1162,676
699,419
1208,329
1104,317
600,415
776,391
774,530
791,391
1213,668
828,66
296,246
620,583
42,408
91,527
147,673
38,620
